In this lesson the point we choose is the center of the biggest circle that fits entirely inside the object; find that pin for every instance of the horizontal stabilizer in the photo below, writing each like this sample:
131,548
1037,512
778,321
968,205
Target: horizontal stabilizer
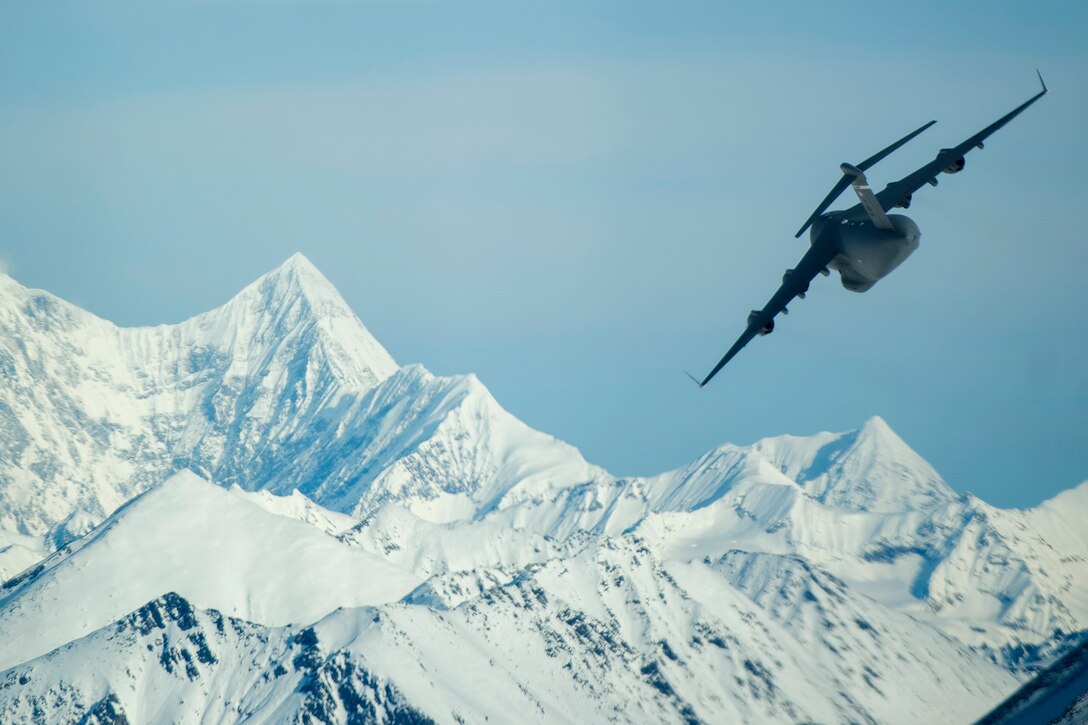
863,166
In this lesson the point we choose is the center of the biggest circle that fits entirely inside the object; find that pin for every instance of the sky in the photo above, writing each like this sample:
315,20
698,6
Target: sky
580,201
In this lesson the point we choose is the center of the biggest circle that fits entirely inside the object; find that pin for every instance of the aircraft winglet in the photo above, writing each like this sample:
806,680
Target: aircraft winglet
693,378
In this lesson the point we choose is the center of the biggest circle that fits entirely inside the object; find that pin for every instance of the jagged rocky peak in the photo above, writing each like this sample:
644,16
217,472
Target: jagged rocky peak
27,311
868,469
296,276
295,305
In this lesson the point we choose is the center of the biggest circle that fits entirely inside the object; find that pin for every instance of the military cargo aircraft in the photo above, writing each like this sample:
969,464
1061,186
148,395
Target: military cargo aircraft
863,243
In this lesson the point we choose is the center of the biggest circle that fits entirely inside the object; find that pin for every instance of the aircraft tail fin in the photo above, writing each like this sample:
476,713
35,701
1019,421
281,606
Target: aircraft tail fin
846,180
868,199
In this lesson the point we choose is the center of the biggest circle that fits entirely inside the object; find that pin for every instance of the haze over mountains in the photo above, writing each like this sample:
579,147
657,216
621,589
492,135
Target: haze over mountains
258,512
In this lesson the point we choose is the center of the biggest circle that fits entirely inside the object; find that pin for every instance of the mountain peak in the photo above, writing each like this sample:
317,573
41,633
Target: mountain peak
874,469
870,468
298,260
876,438
299,266
875,425
297,298
298,275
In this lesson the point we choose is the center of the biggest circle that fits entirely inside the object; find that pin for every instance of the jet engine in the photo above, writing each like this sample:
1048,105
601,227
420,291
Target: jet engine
904,203
801,293
766,329
956,166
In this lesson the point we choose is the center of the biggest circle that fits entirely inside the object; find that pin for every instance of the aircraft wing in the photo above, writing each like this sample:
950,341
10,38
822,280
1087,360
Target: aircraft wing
794,284
901,190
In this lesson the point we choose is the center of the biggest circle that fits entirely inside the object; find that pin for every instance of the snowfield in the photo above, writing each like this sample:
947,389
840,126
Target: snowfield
257,513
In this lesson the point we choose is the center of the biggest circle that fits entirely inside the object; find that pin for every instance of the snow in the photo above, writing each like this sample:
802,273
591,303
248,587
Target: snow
208,544
871,469
19,552
271,461
116,410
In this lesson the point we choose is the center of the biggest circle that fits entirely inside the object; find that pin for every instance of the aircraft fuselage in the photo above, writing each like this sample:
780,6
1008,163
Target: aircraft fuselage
864,243
865,254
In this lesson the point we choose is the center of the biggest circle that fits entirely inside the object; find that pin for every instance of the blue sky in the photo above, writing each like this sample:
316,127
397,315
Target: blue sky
578,201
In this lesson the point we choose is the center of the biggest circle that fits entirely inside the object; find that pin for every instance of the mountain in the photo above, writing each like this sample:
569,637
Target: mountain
608,633
268,468
607,627
171,662
282,388
95,414
870,469
224,551
1012,584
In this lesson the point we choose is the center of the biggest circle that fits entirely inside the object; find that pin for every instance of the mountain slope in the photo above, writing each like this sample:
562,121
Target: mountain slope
1011,583
171,662
94,414
187,535
870,469
282,388
607,633
799,578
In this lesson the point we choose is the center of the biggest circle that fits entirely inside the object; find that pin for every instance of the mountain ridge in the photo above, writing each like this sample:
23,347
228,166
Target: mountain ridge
269,568
303,423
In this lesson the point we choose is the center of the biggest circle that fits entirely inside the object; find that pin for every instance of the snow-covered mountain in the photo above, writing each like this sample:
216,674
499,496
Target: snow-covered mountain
282,388
411,526
604,630
221,549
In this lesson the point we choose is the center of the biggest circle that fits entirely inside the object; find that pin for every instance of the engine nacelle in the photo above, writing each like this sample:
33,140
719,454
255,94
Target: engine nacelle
800,293
766,329
904,203
956,166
